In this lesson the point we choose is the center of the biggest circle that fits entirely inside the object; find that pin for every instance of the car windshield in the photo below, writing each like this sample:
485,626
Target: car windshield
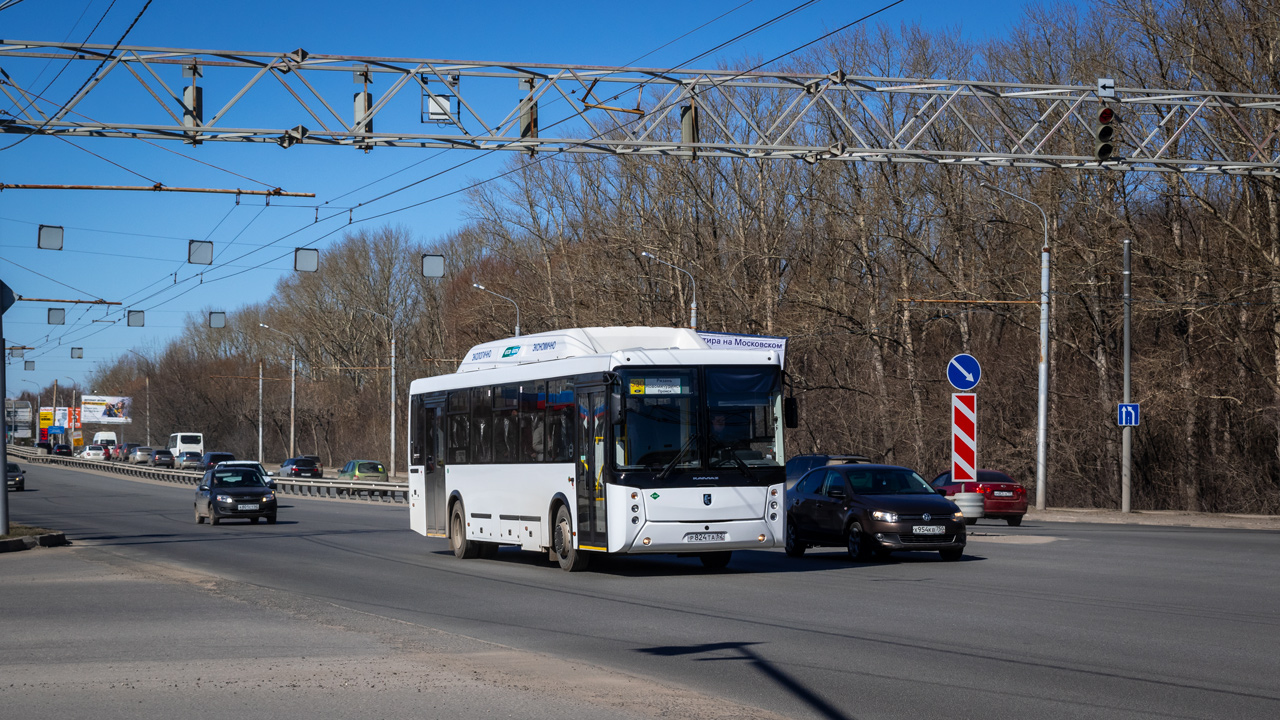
11,467
887,481
304,463
237,478
189,439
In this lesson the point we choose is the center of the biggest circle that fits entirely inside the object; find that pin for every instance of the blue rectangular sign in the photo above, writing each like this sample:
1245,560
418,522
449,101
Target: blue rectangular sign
1127,415
57,430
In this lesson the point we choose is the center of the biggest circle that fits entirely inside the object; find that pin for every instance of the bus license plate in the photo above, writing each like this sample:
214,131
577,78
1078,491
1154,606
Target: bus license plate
704,537
927,529
246,507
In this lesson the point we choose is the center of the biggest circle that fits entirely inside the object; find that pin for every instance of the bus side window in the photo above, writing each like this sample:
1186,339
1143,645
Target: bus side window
506,424
482,425
533,422
562,414
459,423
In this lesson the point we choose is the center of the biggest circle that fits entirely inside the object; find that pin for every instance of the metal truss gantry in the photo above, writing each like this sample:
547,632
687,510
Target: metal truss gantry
293,98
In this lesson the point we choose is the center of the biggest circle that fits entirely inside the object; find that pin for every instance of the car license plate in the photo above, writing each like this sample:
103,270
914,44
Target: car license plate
704,537
927,529
247,507
1003,493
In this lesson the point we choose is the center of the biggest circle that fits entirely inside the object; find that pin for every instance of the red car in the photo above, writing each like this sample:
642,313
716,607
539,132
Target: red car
1002,496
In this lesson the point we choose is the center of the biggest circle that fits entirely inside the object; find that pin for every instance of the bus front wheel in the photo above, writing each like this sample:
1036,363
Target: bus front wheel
570,558
463,548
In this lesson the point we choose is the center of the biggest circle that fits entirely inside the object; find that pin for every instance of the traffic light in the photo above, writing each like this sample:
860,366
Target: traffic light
1104,135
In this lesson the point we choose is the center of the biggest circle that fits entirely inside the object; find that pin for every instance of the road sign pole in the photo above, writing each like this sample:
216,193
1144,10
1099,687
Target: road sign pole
6,299
1126,457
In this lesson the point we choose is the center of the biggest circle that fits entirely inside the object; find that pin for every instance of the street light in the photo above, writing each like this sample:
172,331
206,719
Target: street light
1042,413
148,376
293,378
478,286
693,306
391,329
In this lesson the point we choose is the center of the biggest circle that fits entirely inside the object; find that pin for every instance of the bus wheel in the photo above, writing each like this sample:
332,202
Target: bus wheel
569,557
463,548
716,560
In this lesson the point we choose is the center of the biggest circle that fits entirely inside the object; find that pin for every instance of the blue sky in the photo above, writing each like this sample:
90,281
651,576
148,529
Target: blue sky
127,246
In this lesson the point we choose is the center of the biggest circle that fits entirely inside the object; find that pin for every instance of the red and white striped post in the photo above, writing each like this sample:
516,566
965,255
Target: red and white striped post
964,438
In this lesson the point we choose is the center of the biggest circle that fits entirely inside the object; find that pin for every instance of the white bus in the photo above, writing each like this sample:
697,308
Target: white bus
185,442
601,440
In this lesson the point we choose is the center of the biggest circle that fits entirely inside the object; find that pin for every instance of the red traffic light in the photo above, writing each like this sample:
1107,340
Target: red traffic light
1106,115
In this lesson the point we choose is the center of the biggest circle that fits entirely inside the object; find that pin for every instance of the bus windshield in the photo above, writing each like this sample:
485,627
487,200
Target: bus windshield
722,417
660,420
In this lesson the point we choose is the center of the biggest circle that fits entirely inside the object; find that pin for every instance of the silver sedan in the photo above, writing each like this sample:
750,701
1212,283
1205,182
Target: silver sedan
140,455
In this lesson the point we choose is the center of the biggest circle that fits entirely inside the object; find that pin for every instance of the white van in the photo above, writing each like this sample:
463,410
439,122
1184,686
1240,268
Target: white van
105,438
185,442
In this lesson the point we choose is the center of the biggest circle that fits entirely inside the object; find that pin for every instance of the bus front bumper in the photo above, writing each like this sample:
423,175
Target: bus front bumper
699,537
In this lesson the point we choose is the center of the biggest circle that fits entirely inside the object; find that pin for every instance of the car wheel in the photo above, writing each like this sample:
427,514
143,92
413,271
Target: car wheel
859,547
970,521
1014,520
271,519
254,520
199,517
952,554
570,558
716,560
795,548
463,549
213,516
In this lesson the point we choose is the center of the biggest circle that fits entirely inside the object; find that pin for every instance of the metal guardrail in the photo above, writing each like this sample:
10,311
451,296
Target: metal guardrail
332,489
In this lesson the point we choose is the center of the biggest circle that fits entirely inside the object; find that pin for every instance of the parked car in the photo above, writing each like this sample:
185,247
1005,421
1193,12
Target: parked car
189,460
251,464
64,450
1003,498
301,467
364,470
798,465
871,510
141,455
14,477
96,452
161,457
210,460
234,492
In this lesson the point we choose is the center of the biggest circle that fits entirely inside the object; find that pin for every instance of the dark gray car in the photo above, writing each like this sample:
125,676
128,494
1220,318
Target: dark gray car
234,492
14,477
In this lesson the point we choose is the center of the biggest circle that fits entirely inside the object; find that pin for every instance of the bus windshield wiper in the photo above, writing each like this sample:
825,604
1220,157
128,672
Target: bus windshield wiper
676,460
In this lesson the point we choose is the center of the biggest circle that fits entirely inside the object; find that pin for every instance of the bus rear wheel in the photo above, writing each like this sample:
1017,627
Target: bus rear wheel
463,549
570,558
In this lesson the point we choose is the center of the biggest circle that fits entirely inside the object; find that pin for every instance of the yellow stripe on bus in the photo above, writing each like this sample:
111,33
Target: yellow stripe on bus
588,547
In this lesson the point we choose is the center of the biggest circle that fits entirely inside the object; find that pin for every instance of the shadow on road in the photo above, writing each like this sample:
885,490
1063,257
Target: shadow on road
743,651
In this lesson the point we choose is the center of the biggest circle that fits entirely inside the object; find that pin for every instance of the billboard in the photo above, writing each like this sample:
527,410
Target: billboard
106,409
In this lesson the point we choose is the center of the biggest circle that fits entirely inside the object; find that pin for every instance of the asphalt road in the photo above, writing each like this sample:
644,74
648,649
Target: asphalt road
1049,620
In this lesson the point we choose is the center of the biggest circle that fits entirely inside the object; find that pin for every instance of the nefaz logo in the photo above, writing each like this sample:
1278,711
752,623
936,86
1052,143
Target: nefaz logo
481,355
513,350
539,347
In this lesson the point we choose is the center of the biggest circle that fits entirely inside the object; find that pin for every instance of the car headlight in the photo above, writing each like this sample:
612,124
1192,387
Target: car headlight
223,498
884,516
268,497
957,515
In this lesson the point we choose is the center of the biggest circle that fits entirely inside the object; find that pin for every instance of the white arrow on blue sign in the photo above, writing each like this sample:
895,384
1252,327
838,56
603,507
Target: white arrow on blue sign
1127,415
964,372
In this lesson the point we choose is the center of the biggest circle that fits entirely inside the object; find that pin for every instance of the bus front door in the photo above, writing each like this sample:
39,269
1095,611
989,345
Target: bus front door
592,423
427,463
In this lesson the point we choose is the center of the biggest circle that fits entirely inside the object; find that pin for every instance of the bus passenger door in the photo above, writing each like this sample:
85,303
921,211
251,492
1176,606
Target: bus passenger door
426,469
592,423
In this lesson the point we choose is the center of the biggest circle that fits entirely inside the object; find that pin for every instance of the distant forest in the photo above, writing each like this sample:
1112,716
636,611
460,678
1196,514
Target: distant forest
834,255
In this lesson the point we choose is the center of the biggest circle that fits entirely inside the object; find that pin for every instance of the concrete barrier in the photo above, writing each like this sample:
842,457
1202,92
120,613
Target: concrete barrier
970,504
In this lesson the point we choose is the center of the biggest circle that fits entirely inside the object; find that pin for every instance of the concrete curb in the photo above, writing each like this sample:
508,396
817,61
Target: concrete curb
30,541
1168,518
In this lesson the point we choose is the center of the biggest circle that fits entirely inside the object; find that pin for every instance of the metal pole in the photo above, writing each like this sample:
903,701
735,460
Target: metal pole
148,409
1042,409
4,447
478,286
260,412
393,399
1126,487
693,306
293,385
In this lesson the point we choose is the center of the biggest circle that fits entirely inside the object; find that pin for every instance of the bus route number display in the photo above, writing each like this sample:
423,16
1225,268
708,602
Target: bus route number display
655,386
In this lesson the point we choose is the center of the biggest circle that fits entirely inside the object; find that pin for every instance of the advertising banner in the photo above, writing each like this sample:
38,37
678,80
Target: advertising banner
60,416
19,412
46,417
106,409
75,417
733,341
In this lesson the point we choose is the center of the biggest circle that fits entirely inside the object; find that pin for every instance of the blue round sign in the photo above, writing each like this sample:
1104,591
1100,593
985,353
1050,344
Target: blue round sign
964,372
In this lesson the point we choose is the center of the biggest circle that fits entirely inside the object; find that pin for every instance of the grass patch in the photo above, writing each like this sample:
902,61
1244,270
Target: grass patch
17,531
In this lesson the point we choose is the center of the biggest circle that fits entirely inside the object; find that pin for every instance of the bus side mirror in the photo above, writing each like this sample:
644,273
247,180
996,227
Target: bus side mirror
791,413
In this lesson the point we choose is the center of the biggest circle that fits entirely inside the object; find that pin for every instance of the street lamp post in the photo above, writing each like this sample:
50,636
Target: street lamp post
293,381
71,409
391,329
478,286
1042,412
693,306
